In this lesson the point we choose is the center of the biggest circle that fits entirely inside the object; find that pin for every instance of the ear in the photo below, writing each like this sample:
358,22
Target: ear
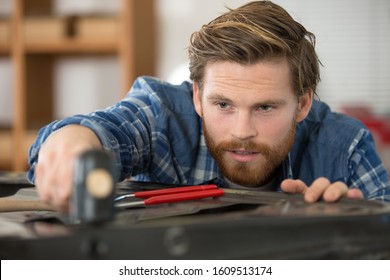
305,102
196,97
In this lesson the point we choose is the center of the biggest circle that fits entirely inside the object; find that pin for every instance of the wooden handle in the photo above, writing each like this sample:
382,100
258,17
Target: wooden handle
14,205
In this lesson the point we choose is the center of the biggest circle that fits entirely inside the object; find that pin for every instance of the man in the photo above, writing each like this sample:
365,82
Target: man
249,120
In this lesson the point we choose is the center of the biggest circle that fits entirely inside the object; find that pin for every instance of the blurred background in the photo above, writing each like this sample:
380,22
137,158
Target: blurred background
64,57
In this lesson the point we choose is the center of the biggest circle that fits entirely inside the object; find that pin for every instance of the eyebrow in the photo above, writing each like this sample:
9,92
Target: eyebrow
269,101
217,96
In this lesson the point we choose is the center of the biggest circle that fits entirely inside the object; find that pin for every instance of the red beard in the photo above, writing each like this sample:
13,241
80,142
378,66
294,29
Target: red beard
250,174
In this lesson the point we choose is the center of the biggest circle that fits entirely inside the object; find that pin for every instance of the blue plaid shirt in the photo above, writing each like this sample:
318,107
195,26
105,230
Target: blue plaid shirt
156,135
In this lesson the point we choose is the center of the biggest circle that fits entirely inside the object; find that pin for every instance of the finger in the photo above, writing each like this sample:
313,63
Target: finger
355,194
62,176
51,178
316,190
49,181
335,191
65,174
63,187
39,175
41,182
62,181
293,186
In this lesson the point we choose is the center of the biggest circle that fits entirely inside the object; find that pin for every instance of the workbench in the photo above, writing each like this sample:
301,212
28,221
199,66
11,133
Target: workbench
240,224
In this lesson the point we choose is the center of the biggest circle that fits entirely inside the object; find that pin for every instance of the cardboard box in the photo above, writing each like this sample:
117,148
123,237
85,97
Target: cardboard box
97,28
46,29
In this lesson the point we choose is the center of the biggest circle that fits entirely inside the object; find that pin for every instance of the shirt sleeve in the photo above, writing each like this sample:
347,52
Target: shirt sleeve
367,170
124,129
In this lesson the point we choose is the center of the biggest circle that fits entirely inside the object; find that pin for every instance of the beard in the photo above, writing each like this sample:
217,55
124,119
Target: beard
250,174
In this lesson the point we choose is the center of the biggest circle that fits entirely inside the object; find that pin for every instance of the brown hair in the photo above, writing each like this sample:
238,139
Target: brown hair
257,31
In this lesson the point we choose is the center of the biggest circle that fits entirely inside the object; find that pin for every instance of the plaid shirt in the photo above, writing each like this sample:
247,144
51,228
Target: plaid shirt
155,135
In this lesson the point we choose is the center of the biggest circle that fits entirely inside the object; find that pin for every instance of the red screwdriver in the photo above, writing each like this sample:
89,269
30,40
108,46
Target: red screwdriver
161,196
150,193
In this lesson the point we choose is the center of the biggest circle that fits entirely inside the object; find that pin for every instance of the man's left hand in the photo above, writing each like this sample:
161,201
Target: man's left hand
321,188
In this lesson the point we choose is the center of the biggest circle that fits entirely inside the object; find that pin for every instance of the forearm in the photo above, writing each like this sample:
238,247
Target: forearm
118,131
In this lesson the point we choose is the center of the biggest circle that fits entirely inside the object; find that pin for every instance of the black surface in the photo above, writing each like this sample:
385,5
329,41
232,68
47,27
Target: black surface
242,225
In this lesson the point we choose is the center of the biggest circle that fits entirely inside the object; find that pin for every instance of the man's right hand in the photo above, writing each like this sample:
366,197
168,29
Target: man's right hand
54,170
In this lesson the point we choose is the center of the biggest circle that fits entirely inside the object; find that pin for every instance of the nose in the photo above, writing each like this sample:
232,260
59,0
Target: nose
244,127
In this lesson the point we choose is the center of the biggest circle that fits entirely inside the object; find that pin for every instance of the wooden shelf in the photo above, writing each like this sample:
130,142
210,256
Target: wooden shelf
4,36
33,62
72,46
6,147
5,49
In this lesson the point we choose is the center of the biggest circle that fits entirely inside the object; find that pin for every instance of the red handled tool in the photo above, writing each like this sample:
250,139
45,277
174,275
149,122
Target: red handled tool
170,195
147,194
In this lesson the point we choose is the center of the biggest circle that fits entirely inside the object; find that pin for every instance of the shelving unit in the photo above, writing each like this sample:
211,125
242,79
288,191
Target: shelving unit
5,132
33,62
4,49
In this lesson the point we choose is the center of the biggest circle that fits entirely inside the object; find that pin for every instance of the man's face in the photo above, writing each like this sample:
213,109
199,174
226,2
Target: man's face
249,116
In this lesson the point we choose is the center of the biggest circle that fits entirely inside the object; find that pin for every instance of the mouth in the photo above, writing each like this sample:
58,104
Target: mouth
243,155
243,152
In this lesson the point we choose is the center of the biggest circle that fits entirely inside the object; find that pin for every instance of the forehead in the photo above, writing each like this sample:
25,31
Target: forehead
267,77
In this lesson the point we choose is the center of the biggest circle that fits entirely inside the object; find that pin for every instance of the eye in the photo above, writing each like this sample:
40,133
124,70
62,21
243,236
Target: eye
223,105
265,108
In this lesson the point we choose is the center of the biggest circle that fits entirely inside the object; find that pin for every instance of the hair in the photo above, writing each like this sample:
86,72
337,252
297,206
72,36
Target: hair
257,31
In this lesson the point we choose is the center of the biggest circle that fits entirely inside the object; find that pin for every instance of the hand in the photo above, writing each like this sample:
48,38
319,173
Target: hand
54,170
321,188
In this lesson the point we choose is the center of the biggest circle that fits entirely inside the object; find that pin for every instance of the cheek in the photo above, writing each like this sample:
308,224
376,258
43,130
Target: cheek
280,128
274,130
218,127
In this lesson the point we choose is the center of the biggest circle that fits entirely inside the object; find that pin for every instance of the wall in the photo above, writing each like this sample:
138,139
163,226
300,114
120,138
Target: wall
353,39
